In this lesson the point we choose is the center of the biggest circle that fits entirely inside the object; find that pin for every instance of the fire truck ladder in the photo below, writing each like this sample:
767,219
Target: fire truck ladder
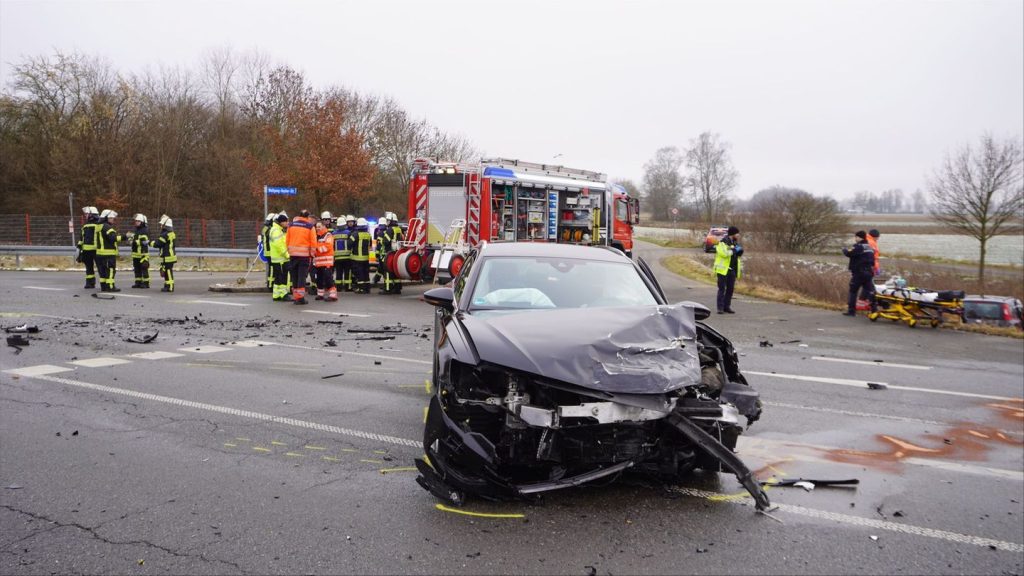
454,245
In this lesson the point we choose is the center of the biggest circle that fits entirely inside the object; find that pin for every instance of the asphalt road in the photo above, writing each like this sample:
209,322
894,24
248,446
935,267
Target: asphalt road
240,441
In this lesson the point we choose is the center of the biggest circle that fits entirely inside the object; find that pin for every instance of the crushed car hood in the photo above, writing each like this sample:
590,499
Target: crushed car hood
627,350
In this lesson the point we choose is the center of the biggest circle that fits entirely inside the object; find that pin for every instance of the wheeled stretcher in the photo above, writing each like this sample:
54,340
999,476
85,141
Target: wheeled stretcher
912,305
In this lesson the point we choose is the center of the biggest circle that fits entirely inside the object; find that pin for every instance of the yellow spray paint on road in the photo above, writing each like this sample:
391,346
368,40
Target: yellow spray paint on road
444,508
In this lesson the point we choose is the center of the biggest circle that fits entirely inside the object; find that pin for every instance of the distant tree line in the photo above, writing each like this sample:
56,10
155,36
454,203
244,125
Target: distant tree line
890,201
202,143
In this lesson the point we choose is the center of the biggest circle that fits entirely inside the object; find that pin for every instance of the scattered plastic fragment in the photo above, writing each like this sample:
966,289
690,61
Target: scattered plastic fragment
143,339
873,537
790,342
23,329
100,296
808,486
765,344
332,375
877,386
17,340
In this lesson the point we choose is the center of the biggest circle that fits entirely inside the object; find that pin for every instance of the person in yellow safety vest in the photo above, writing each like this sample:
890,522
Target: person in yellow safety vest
323,263
140,251
390,238
268,222
301,238
167,244
343,253
87,244
106,251
359,241
727,267
279,258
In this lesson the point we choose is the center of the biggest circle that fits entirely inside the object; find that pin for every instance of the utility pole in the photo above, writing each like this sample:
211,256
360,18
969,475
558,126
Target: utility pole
71,220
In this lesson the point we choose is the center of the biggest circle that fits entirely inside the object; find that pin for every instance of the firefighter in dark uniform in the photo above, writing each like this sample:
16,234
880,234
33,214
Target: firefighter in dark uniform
140,252
87,244
359,241
862,264
343,253
388,243
106,251
166,243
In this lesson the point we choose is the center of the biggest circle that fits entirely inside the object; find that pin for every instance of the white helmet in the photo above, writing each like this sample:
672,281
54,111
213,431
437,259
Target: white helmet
271,216
166,221
90,210
141,218
350,218
283,213
108,214
361,222
391,216
325,215
382,221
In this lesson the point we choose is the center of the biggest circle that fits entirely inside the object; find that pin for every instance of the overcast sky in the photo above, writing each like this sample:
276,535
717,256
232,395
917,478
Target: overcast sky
829,96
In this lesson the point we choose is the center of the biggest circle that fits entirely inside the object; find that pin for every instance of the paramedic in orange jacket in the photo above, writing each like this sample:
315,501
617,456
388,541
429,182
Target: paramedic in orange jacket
873,241
301,239
323,264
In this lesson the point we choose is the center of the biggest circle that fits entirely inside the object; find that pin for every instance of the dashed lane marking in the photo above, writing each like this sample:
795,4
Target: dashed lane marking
48,288
870,523
100,362
799,510
873,363
347,353
159,355
220,302
248,344
864,384
853,413
337,313
204,349
236,412
40,370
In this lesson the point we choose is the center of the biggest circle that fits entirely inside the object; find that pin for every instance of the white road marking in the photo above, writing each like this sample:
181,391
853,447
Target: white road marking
873,523
788,508
123,295
221,302
775,449
873,363
39,370
236,412
204,349
337,313
249,343
853,413
100,362
156,355
336,351
864,384
45,288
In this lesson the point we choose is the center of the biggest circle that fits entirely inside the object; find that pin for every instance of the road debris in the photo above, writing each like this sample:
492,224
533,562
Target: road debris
765,344
143,339
331,322
790,342
877,386
100,296
332,343
17,340
809,483
23,329
332,375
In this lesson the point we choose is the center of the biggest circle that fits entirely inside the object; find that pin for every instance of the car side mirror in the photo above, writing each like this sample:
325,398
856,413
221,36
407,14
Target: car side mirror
700,311
443,297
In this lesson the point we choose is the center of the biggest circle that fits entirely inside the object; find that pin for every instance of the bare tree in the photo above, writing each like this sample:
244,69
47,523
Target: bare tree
710,176
662,181
793,220
979,192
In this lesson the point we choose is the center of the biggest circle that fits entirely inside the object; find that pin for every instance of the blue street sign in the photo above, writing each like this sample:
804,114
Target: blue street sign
281,191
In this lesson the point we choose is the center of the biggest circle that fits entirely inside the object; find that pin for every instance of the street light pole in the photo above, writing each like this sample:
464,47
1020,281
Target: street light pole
71,220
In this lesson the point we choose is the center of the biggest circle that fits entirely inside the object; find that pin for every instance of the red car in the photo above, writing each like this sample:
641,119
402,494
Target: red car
715,234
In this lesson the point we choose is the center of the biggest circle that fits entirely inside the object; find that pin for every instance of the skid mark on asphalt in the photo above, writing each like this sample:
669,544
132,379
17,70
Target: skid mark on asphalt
864,384
336,351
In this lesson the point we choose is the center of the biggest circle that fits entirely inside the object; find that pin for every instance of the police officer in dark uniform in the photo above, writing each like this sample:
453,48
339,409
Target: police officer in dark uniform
862,263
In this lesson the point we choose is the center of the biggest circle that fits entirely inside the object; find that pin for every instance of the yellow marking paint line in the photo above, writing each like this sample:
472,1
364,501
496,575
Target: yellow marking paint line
401,469
243,439
368,461
349,450
230,445
444,508
330,459
380,451
427,386
261,449
276,443
294,454
308,447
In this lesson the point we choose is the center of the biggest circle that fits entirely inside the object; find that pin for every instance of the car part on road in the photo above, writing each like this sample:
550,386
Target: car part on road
143,339
23,329
17,340
848,483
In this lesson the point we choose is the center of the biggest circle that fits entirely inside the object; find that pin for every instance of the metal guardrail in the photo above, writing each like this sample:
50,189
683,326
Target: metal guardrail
19,250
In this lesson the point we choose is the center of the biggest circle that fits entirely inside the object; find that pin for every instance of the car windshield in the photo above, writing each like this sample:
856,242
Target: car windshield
546,283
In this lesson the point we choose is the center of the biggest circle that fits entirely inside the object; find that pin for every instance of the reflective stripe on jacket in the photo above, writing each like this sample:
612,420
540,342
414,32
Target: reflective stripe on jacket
360,241
323,257
140,244
723,254
301,237
874,246
278,244
89,232
342,251
390,236
166,243
106,240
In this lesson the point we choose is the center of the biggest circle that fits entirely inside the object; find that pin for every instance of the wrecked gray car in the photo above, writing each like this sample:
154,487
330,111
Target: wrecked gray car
557,365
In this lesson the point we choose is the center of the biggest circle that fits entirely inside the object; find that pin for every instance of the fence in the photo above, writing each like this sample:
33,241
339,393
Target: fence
33,230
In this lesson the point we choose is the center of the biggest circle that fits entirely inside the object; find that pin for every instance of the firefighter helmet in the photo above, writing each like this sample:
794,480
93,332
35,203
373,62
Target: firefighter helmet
108,214
271,216
350,218
141,218
166,221
325,215
382,221
361,222
90,210
285,214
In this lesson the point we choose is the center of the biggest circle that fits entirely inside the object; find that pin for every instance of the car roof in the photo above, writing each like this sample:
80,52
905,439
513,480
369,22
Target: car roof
989,298
552,250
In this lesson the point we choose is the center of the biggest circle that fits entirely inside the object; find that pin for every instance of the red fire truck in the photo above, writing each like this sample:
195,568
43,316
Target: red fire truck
455,206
